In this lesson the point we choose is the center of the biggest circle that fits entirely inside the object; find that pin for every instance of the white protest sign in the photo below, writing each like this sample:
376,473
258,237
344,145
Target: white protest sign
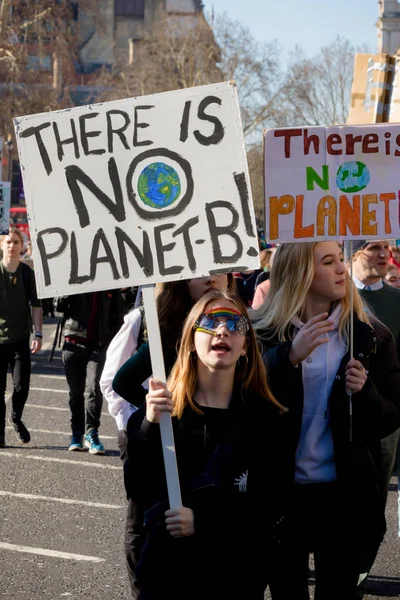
5,195
332,183
138,191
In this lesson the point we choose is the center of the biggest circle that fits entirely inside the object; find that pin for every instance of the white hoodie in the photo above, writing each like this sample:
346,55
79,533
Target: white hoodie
314,455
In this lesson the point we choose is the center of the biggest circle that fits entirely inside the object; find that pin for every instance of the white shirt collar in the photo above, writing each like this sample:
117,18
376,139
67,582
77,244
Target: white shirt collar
373,286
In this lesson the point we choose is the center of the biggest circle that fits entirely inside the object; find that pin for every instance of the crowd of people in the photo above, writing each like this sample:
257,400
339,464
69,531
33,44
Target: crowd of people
283,386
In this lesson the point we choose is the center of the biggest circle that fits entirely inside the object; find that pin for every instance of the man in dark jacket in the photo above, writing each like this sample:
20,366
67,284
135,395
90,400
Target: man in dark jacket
370,265
90,322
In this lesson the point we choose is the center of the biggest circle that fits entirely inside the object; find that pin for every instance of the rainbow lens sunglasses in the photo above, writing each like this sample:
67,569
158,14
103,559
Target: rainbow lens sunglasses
209,321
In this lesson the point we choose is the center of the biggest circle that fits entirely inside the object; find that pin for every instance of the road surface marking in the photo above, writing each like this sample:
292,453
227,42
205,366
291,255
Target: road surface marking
52,376
62,500
35,389
50,553
103,414
61,460
68,433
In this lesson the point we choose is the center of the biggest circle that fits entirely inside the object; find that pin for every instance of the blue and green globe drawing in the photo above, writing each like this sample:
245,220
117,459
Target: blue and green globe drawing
352,177
159,185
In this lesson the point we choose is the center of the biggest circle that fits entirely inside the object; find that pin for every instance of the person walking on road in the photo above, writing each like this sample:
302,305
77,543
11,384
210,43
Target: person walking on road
90,322
19,307
337,506
229,449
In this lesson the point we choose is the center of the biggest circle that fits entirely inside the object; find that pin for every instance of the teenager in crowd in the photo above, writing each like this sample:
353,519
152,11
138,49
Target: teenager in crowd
19,307
337,507
229,450
174,301
392,276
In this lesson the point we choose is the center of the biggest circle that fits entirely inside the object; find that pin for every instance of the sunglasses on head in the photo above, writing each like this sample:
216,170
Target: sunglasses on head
211,320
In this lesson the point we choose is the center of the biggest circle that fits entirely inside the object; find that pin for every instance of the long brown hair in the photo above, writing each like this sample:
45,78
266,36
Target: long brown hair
291,278
250,374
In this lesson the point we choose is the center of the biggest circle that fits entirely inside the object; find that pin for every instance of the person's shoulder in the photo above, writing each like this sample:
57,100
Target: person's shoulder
389,289
133,317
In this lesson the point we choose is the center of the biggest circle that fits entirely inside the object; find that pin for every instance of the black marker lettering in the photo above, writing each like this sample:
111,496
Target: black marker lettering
185,121
142,125
42,249
88,134
144,258
73,276
241,184
119,132
218,134
108,258
75,175
42,148
216,231
184,229
72,140
161,249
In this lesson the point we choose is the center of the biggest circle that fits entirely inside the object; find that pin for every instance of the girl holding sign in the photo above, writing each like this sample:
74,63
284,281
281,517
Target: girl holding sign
336,509
229,452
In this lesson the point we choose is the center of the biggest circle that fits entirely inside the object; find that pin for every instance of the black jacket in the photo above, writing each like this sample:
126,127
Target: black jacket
231,473
77,308
376,414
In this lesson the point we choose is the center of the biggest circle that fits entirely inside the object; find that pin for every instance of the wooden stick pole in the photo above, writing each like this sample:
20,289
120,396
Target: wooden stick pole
351,336
157,364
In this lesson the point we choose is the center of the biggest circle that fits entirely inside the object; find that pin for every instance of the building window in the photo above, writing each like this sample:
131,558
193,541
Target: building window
129,8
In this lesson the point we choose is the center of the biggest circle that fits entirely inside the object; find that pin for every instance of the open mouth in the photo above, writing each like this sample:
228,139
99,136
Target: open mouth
341,282
220,348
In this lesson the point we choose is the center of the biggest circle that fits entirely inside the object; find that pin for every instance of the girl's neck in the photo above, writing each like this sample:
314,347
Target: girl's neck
314,307
11,264
214,387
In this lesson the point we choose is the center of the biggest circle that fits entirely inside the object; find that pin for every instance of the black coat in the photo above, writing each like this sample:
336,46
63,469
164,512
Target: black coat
376,414
213,452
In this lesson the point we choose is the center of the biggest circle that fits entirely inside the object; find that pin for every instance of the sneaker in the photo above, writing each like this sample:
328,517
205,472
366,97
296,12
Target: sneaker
23,435
2,441
76,442
93,443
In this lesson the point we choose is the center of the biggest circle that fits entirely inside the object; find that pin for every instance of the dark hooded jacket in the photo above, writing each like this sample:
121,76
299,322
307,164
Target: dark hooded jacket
375,414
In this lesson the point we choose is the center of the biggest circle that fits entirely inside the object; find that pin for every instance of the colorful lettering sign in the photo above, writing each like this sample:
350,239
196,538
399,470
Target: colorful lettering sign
332,183
138,191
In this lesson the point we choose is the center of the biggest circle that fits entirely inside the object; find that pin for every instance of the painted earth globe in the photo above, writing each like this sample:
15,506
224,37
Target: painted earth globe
159,185
352,177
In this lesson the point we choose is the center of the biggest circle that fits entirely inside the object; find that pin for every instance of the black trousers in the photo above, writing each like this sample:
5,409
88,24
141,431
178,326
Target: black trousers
18,356
83,368
317,523
134,536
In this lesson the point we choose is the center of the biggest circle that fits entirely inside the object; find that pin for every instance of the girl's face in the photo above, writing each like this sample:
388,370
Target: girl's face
393,277
220,339
330,274
201,285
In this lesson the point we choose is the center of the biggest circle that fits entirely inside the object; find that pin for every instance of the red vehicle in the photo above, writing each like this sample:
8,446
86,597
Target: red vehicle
19,218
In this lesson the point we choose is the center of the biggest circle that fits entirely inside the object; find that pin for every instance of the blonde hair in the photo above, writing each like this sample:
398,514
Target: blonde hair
291,278
250,373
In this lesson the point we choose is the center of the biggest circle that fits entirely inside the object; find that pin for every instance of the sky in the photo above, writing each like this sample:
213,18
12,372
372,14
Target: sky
310,24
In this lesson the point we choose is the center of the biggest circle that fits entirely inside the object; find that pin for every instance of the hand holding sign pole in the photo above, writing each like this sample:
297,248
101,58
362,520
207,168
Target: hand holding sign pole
157,364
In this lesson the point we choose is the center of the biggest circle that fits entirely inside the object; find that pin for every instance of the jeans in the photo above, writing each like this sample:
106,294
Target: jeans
83,367
18,356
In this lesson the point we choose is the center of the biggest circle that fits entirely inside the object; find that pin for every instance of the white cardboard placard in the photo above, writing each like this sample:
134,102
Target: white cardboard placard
332,183
137,191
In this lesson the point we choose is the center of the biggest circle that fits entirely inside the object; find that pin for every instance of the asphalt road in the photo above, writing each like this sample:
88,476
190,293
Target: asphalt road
62,513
